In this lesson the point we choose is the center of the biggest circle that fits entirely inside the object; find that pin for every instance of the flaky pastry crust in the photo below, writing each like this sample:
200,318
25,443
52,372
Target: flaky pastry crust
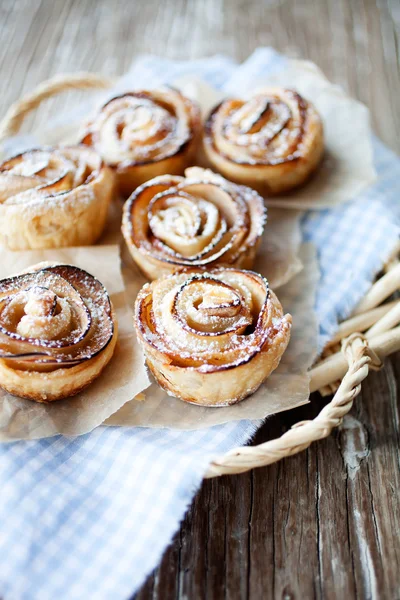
272,142
58,331
142,134
54,197
211,337
197,220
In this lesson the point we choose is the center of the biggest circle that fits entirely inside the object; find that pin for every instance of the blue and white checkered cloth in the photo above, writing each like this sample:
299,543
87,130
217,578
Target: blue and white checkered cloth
90,517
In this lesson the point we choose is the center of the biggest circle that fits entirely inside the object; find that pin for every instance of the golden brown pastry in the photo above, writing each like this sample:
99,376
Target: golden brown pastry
211,337
272,142
198,220
145,133
50,198
57,332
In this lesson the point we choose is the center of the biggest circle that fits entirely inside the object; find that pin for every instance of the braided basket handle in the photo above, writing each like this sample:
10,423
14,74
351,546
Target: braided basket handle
17,112
301,435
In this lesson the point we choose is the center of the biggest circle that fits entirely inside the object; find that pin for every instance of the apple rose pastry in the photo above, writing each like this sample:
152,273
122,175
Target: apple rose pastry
211,337
50,198
198,220
272,142
57,332
145,133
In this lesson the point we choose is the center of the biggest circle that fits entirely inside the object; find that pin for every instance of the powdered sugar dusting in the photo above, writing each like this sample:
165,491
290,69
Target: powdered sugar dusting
207,320
59,314
142,126
200,220
267,129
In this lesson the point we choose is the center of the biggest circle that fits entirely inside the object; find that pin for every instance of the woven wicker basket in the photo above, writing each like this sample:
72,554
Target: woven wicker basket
361,342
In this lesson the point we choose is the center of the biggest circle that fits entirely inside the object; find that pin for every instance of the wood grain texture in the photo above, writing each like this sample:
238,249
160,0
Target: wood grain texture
324,524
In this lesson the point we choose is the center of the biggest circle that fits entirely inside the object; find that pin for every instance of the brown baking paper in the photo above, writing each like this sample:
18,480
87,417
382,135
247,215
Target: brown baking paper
286,388
123,378
278,260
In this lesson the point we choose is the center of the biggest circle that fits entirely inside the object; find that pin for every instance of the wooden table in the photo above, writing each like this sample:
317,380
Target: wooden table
325,523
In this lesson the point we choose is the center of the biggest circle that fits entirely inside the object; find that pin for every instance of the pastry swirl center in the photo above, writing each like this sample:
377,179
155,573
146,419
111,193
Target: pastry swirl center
41,302
211,306
185,223
36,313
258,121
220,302
47,317
267,129
144,123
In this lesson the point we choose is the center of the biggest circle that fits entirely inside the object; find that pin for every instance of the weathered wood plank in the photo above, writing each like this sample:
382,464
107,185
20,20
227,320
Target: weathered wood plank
323,524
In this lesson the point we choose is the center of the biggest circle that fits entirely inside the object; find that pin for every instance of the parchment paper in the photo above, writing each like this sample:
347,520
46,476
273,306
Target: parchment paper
278,260
20,419
286,388
123,378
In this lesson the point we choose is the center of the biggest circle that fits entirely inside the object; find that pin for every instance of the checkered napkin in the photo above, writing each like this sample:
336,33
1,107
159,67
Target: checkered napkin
90,517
